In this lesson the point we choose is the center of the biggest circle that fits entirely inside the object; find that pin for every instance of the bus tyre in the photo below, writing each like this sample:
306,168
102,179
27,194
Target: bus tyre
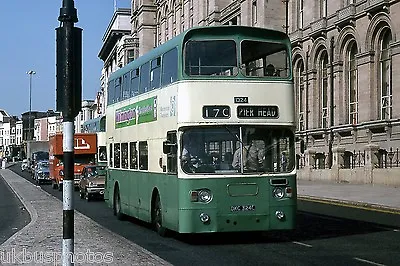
117,205
157,217
54,185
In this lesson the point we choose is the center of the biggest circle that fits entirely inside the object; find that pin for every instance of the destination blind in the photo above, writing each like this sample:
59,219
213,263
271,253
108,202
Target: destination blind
257,111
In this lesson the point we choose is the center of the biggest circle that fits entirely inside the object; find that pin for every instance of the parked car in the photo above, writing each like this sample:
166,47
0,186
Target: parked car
24,165
42,172
92,182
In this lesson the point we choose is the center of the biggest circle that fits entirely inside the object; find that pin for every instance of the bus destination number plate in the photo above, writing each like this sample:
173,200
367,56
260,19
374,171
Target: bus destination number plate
216,111
257,111
243,208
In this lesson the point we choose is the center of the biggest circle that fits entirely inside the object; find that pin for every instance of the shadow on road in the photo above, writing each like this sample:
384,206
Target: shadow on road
310,226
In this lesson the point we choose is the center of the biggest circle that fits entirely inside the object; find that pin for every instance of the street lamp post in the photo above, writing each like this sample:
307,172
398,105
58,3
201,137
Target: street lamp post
30,73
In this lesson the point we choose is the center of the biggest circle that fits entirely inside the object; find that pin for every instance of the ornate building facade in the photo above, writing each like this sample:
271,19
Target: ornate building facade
345,57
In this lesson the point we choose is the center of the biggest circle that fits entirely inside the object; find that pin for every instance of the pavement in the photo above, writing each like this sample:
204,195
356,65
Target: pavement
379,198
40,241
42,237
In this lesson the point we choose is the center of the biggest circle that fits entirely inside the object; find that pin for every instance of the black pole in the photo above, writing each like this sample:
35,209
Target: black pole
332,102
69,91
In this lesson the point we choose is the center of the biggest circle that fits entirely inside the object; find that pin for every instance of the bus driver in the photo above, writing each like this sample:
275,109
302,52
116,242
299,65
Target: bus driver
191,153
253,156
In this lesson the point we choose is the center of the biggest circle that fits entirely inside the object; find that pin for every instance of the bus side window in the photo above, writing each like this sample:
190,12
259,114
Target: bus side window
125,86
102,153
134,86
111,155
155,73
111,92
124,155
133,155
143,156
169,67
117,155
117,96
172,161
144,78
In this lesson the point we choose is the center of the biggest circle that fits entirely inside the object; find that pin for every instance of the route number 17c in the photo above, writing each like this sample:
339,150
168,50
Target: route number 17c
216,111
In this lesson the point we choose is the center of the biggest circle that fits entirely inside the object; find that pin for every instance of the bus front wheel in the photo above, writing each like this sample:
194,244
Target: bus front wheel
157,217
117,205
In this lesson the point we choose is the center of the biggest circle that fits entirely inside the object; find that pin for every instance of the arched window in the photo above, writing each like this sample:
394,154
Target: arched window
385,74
352,82
299,84
323,87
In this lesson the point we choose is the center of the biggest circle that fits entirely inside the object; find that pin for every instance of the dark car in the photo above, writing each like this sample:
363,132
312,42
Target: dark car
92,182
42,172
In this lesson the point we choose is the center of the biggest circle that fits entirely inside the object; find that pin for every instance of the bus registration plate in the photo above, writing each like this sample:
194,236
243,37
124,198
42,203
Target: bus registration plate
243,208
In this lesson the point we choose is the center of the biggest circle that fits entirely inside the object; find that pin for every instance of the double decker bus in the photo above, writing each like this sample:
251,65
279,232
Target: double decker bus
98,126
185,120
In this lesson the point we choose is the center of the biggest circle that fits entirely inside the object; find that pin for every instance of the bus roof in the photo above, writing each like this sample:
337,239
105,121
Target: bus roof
177,41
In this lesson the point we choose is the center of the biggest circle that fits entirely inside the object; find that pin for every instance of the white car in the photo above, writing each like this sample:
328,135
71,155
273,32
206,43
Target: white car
24,165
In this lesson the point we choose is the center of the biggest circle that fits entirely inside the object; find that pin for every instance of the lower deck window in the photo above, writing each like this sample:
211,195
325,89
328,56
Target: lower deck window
143,156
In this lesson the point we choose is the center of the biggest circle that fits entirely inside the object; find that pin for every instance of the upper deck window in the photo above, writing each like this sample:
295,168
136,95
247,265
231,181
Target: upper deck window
211,58
264,59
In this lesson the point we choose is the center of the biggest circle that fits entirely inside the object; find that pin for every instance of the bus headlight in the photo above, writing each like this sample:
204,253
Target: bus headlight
201,195
278,192
205,195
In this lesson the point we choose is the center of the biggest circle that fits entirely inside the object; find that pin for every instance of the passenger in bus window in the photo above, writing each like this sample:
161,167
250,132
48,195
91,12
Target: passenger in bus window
103,154
133,157
270,70
283,162
252,154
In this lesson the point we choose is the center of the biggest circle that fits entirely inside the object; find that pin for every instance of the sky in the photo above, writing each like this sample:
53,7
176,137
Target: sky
28,42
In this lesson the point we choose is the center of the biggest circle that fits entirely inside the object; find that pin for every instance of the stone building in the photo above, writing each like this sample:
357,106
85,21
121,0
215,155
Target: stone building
118,49
88,112
345,55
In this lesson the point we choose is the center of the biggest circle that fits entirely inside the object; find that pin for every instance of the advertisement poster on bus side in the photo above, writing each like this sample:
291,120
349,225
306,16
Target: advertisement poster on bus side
137,113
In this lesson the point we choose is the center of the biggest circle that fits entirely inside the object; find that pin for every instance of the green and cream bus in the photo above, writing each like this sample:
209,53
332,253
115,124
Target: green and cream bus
98,125
185,120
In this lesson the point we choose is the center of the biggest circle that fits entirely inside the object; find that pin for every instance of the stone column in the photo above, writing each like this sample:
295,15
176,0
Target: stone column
338,153
309,156
338,161
370,161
